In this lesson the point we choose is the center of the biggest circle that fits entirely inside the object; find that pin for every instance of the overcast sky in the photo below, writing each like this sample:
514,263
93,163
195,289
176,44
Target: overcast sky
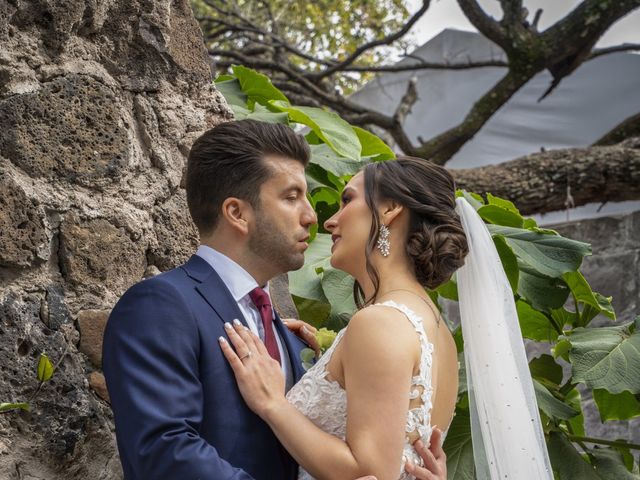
446,14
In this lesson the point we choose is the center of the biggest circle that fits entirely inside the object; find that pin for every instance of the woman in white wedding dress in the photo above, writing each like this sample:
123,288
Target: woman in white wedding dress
391,376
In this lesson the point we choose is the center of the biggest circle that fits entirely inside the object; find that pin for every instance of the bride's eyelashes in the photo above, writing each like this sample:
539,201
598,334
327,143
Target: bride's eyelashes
345,199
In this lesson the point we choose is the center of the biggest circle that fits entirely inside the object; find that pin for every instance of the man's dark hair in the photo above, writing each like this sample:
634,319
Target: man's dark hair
228,161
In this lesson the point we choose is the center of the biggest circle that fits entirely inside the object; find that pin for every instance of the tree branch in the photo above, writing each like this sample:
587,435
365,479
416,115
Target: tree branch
630,127
441,148
538,183
625,47
485,24
425,66
375,43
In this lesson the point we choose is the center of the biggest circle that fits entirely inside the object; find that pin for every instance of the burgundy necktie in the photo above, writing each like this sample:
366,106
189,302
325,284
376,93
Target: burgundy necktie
262,302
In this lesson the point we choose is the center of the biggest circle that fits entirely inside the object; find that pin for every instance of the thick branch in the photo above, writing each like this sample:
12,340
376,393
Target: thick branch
538,183
485,24
628,128
441,148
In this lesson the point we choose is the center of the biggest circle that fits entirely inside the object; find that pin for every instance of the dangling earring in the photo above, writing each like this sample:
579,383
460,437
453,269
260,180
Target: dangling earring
383,240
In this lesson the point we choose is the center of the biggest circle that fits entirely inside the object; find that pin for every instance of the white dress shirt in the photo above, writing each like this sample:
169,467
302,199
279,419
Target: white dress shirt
240,283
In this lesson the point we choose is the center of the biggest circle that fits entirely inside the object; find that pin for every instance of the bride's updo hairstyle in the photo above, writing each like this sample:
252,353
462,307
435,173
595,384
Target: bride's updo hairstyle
436,243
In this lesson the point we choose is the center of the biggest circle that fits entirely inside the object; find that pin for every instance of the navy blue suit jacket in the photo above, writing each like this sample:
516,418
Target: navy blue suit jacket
178,412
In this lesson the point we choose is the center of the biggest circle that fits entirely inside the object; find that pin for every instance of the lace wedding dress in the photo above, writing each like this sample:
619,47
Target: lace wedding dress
324,401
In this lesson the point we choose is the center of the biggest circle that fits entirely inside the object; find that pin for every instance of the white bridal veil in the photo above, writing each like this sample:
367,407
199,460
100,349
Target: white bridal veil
508,441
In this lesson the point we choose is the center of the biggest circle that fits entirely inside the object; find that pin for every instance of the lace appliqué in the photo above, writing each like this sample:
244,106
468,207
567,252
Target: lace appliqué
324,401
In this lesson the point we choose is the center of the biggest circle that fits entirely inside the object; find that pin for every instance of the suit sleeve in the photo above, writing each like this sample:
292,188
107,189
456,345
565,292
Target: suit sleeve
150,361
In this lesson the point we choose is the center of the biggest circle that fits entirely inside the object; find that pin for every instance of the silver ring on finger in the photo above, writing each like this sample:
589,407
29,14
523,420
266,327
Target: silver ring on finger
246,355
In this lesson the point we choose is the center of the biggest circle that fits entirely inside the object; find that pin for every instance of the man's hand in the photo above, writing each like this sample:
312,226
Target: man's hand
305,331
434,458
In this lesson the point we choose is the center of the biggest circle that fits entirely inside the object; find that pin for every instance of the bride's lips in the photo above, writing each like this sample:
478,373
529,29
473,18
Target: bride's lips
335,239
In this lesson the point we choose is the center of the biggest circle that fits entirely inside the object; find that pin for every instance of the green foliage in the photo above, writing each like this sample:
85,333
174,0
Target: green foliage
555,303
44,371
324,29
45,368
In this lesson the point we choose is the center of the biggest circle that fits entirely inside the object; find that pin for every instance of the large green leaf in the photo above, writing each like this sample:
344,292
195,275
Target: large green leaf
545,369
574,399
534,324
550,255
583,294
231,91
335,132
373,146
257,86
566,461
263,114
459,449
619,406
607,357
306,282
550,405
328,159
502,203
312,311
610,465
500,216
509,261
338,288
544,293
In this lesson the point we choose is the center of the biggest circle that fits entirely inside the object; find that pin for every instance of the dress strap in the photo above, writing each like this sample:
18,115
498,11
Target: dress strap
415,320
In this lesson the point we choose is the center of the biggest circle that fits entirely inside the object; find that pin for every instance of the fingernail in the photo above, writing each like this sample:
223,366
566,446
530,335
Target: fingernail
222,340
285,322
227,325
236,322
304,330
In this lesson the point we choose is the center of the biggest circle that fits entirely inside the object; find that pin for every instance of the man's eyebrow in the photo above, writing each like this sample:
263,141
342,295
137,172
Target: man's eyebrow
293,188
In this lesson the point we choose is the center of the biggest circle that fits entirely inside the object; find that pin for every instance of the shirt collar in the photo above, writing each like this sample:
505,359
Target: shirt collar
237,279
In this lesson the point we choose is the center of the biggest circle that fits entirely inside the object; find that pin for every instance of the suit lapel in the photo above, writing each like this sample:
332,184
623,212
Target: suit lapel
213,289
293,346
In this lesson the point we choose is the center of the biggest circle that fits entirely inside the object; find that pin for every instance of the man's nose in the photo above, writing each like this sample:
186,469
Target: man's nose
309,217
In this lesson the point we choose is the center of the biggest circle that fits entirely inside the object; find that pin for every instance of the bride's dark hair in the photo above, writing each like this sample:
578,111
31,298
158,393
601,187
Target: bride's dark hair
436,242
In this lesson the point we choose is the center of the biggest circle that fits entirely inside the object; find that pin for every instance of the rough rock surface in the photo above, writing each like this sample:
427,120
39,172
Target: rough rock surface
100,101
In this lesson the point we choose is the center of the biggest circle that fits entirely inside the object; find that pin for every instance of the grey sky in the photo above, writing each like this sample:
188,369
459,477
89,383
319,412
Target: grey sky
446,14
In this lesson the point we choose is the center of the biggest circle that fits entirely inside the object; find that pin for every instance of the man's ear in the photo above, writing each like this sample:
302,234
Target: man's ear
237,213
390,210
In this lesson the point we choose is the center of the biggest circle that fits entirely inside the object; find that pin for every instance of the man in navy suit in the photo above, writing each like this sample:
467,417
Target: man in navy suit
178,412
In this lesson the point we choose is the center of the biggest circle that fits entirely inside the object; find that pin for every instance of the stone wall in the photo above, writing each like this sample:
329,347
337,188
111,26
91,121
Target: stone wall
614,268
100,101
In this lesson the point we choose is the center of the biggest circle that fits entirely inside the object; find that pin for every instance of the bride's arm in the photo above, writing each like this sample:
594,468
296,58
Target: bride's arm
378,354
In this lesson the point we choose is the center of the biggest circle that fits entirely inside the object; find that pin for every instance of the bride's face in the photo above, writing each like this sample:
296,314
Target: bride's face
350,228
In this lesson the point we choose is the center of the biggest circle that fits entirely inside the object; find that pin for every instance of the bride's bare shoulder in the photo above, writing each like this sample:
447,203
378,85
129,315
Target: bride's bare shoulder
376,326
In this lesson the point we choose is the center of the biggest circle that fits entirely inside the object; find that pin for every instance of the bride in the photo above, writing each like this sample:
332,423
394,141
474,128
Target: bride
391,376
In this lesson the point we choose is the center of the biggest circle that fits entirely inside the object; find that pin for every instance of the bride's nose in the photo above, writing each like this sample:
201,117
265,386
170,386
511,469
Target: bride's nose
331,223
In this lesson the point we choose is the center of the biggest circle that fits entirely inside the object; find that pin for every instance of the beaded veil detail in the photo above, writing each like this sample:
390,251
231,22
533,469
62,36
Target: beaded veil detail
324,401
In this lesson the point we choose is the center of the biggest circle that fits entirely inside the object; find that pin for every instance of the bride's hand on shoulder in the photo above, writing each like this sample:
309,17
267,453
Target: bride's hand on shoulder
260,378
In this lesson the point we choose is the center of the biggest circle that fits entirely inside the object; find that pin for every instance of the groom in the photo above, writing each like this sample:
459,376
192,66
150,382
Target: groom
177,409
